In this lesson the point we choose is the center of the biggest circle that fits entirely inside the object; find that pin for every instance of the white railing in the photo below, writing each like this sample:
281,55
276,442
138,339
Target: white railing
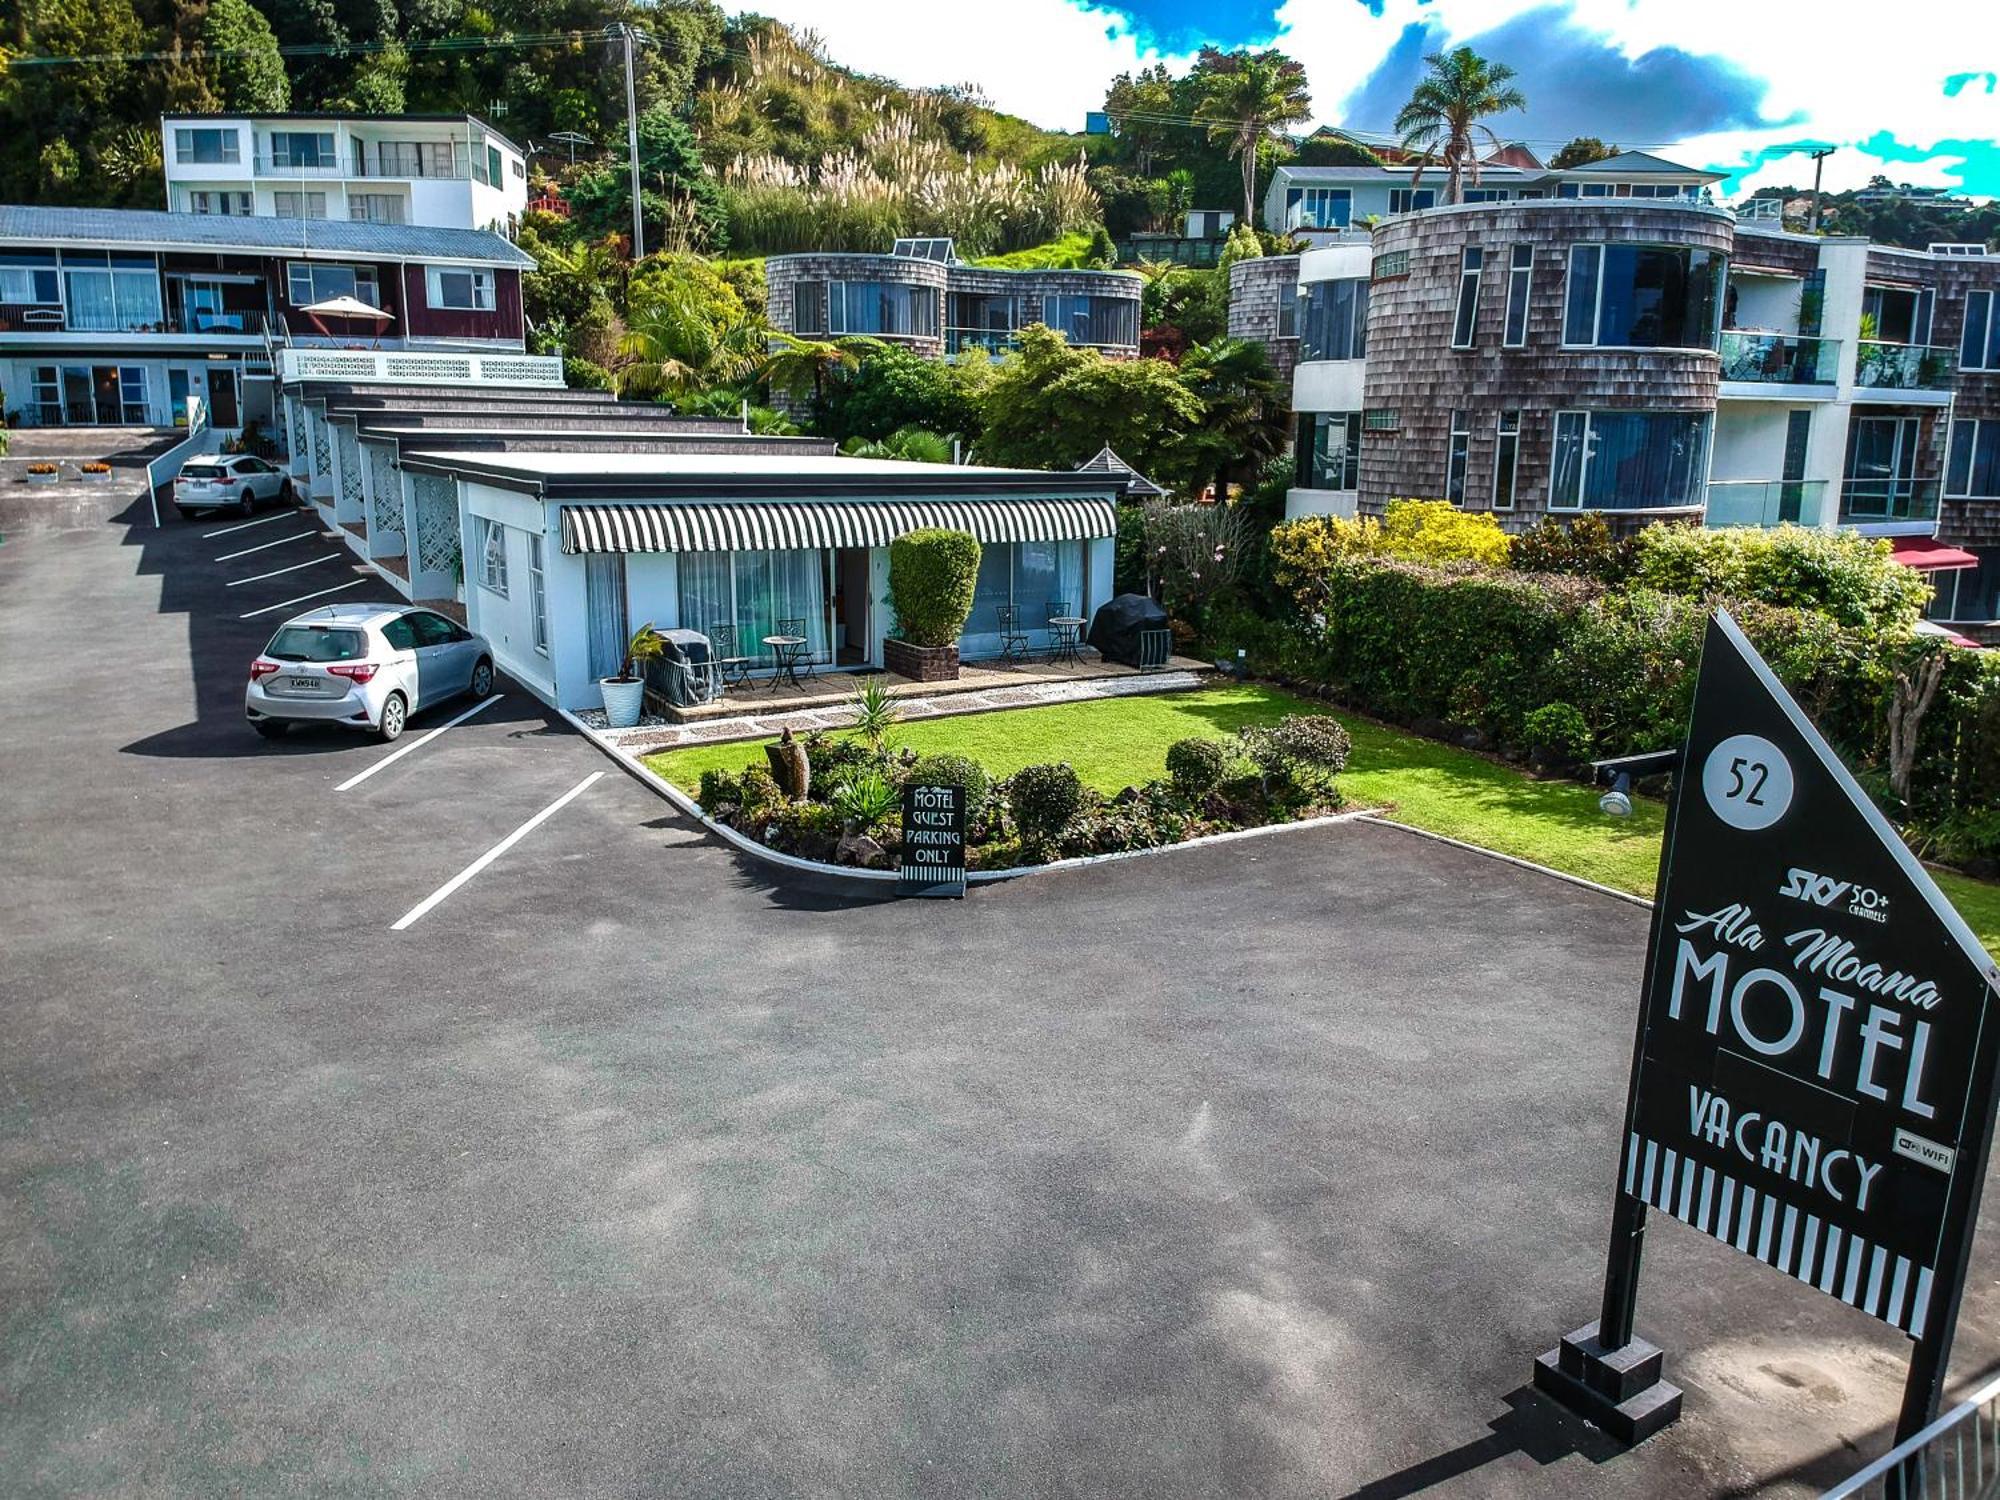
421,367
201,438
1957,1457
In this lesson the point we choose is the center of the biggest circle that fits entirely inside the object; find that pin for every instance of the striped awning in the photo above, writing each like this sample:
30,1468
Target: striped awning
774,525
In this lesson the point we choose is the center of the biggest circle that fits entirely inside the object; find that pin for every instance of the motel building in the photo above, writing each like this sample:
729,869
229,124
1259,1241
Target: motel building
566,553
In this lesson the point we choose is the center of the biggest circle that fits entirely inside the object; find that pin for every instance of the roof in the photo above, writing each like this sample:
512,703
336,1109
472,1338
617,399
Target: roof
1107,461
557,475
356,117
156,229
1625,163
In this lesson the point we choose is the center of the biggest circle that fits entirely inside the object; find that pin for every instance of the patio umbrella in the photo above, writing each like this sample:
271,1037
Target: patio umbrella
344,307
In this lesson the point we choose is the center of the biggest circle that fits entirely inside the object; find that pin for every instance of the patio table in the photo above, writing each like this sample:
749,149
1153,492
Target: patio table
1063,633
785,656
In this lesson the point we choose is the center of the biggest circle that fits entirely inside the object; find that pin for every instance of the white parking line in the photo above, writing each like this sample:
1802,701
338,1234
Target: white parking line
286,515
402,750
495,852
266,546
260,577
288,603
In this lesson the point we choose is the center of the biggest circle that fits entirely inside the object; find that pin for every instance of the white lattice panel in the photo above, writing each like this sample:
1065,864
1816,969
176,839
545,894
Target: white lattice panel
427,367
322,455
437,523
350,466
385,481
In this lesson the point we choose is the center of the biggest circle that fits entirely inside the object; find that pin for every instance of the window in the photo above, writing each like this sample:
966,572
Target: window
1390,264
1467,318
809,307
1972,471
1034,577
400,633
1329,450
1411,200
1094,320
228,205
1333,319
1979,349
449,287
1506,459
1969,594
375,208
316,643
1288,310
45,391
1484,195
111,293
493,168
1643,297
292,205
132,408
433,630
29,278
307,282
750,592
881,307
1520,279
194,146
1900,314
1456,455
1318,208
538,599
491,538
414,159
1628,460
302,150
1381,419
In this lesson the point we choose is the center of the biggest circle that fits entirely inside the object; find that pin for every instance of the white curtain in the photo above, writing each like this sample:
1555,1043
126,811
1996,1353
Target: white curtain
705,594
756,591
92,306
604,612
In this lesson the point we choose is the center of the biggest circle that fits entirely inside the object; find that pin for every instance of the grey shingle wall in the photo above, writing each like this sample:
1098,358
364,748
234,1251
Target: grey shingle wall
1254,289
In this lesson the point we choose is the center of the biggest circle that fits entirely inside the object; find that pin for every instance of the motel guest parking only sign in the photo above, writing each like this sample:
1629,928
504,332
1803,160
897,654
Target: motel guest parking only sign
933,858
1813,1079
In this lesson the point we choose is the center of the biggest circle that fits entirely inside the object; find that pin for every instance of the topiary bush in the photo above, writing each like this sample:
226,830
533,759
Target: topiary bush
1196,766
1045,800
954,770
931,575
1558,732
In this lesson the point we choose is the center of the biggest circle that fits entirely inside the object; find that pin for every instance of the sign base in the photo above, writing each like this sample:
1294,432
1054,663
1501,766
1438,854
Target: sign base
1617,1390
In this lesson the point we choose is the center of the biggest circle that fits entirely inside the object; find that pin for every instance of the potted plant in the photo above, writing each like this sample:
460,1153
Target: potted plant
95,473
43,473
625,694
931,575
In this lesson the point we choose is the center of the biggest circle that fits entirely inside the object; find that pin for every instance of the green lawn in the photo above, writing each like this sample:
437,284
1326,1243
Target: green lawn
1118,742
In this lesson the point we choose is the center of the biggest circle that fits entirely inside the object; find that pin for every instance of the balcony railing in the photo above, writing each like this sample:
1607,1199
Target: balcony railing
1779,359
1179,250
1902,367
1766,502
49,318
331,166
1867,500
447,367
992,340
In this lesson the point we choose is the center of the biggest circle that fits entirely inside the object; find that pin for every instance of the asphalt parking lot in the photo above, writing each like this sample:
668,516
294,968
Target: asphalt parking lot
1262,1170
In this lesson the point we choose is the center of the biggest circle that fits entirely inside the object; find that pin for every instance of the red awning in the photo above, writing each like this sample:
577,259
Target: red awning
1929,555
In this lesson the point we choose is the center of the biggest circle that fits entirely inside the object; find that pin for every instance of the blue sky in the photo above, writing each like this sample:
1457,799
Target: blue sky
1744,86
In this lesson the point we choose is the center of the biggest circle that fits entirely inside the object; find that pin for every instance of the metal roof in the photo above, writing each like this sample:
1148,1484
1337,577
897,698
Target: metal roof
155,229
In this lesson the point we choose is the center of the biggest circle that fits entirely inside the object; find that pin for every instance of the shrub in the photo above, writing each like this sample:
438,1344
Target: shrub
761,795
1436,531
1308,749
1196,766
931,576
1558,730
1583,546
581,374
1045,800
954,770
717,789
865,800
1852,579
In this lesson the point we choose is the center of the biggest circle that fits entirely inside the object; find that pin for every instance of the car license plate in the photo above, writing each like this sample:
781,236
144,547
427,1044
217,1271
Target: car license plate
303,684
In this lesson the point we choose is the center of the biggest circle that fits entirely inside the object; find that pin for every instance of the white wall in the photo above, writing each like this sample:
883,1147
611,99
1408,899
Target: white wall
1749,440
507,621
1770,303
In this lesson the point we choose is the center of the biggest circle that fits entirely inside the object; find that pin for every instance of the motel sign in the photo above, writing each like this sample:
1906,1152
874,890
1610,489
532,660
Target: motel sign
1813,1076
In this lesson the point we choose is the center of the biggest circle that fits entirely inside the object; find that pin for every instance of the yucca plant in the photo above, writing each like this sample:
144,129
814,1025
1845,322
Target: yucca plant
865,800
876,713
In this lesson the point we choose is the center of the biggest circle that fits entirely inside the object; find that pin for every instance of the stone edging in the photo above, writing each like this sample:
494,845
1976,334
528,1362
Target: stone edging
665,789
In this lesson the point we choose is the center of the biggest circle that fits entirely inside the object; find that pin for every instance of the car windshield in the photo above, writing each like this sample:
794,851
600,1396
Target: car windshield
315,643
204,471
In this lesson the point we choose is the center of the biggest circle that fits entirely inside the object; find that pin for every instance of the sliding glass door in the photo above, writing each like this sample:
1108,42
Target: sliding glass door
760,594
1034,577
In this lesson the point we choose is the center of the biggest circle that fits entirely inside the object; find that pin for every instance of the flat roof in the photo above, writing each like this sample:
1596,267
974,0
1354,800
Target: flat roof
37,227
557,475
352,117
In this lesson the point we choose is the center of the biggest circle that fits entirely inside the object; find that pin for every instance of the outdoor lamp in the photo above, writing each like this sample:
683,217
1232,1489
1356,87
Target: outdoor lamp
1617,802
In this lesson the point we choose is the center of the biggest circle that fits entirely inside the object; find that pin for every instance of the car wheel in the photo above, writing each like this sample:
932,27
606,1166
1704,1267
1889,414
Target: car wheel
248,503
482,679
270,729
186,514
287,494
394,712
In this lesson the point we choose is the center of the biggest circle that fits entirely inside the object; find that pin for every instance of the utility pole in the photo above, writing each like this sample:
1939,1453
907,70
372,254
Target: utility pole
1818,157
632,144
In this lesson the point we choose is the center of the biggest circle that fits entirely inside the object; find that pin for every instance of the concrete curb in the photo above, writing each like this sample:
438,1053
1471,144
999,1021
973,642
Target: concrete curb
1525,864
660,786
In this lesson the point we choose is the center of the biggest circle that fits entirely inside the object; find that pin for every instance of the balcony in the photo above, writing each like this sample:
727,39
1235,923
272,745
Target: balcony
1766,502
1778,359
1865,502
1172,249
992,340
324,167
1880,366
49,319
408,366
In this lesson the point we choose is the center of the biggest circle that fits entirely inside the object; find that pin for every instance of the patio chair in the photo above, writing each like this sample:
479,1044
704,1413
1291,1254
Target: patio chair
1013,635
1156,646
729,660
795,661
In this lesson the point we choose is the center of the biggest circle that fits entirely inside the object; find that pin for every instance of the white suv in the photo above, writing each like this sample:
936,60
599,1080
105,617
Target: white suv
238,481
364,666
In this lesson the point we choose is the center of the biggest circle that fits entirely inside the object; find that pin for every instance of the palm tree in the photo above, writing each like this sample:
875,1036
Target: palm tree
1246,98
1443,118
793,364
1245,409
678,341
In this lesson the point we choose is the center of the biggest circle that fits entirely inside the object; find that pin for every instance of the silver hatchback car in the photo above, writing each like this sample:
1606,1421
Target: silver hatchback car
364,666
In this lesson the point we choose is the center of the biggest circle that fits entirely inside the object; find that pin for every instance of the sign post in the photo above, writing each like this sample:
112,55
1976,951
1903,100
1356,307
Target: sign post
933,857
1813,1075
